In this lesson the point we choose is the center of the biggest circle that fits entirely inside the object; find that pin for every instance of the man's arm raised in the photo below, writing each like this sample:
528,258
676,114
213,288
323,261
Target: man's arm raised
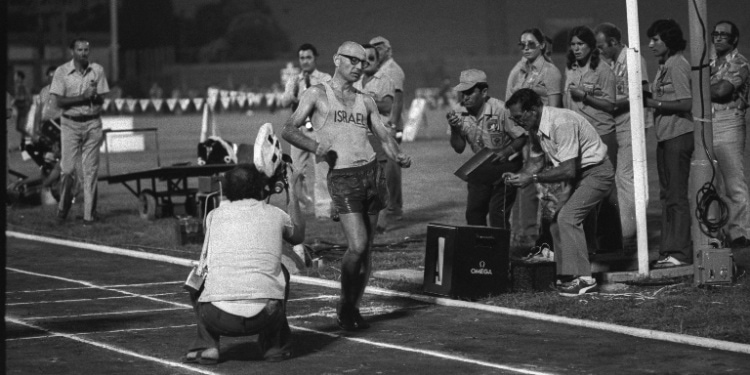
390,146
307,105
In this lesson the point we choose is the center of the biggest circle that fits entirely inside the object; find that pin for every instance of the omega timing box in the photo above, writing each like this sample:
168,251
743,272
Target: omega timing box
713,266
466,262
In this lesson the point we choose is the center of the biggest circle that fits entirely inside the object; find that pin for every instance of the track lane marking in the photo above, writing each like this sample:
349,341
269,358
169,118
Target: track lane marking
111,347
87,299
103,332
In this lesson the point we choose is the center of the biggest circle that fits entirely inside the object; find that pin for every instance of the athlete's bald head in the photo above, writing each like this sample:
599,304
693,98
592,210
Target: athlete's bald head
353,49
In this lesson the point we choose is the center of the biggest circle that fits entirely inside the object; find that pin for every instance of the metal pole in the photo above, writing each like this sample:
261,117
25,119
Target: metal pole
701,169
114,48
638,134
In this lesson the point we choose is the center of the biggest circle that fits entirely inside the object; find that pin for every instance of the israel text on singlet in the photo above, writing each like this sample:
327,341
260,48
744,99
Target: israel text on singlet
346,129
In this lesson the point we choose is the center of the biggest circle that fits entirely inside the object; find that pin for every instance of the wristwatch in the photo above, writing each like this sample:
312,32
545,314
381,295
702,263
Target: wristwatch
535,178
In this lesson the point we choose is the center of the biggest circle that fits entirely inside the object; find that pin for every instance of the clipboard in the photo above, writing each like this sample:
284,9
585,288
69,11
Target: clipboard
480,169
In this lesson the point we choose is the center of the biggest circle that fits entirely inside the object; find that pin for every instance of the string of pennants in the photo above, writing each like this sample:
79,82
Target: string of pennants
215,97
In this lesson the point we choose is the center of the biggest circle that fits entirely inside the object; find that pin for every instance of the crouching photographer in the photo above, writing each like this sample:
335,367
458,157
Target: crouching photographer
246,286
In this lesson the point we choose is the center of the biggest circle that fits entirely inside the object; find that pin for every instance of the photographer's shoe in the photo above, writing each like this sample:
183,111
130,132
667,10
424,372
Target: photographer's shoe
578,287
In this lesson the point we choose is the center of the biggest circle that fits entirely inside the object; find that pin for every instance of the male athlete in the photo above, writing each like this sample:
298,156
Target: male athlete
341,116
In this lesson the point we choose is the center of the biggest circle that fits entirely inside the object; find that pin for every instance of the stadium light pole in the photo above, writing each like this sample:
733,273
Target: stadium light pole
114,48
701,168
638,135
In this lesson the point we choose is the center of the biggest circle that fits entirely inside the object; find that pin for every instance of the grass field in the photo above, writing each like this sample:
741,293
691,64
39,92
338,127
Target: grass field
431,194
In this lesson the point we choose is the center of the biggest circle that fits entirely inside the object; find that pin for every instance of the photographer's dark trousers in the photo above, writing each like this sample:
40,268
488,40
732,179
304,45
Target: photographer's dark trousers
271,326
494,199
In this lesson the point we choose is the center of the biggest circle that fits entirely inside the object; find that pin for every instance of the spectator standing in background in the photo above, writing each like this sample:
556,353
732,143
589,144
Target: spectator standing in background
22,103
304,161
391,69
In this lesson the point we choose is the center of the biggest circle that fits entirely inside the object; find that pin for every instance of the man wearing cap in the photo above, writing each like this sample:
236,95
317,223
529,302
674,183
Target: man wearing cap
78,86
303,160
341,117
389,68
484,124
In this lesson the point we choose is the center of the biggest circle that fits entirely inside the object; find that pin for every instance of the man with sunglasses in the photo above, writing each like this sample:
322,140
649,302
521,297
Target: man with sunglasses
729,101
484,124
308,76
341,117
389,68
577,153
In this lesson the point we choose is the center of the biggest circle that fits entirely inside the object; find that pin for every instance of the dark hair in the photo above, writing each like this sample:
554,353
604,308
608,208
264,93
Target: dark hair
586,35
308,47
370,46
76,40
245,181
527,98
51,69
670,33
609,30
735,31
540,37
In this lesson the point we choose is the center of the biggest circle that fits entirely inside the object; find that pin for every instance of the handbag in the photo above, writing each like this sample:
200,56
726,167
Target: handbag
197,276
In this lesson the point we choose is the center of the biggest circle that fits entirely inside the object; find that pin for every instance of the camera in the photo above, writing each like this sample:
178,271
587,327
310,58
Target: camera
279,182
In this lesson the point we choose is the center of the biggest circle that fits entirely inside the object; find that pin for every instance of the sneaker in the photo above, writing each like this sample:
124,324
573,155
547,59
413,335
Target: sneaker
577,287
540,254
668,262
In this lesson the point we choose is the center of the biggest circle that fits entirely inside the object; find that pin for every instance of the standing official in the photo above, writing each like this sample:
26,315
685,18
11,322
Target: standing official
381,89
389,68
485,124
78,86
729,100
304,160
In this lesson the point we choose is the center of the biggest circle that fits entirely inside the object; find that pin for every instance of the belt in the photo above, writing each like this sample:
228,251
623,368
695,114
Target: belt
724,107
81,118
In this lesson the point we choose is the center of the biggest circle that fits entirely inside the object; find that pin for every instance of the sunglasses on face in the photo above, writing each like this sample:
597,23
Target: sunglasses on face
353,60
529,45
721,35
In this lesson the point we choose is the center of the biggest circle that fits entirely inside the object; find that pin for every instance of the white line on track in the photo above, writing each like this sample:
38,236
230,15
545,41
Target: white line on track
88,299
325,297
113,348
431,353
103,332
110,313
90,287
86,283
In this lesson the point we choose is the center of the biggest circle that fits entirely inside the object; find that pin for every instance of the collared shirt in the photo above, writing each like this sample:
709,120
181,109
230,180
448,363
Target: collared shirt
392,70
47,105
69,82
599,83
296,84
565,134
620,68
734,69
492,128
672,83
541,76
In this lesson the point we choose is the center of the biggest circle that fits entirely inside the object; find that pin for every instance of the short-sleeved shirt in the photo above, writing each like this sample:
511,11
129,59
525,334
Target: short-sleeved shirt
492,129
620,68
565,134
297,83
734,69
599,83
672,83
69,82
393,71
541,76
379,88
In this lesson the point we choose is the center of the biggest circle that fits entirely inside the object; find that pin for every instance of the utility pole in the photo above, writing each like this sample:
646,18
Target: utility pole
114,47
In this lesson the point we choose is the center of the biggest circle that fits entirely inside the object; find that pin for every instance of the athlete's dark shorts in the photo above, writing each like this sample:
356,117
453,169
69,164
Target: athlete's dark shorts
358,189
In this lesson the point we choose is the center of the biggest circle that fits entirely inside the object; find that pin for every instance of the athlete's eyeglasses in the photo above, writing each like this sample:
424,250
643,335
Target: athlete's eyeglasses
721,35
353,60
529,45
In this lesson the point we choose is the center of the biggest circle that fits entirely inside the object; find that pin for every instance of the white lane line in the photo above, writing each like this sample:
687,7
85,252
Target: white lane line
109,313
431,353
113,348
325,297
89,287
103,332
86,283
88,299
